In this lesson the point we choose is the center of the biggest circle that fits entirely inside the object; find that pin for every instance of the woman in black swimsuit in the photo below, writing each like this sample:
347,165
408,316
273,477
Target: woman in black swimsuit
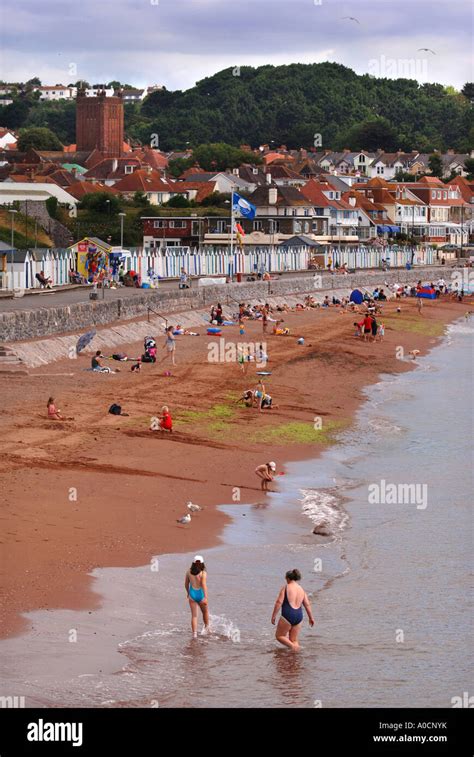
292,598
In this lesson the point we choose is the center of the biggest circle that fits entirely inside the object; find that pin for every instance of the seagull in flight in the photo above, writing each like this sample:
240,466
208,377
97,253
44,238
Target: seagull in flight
426,50
185,519
350,18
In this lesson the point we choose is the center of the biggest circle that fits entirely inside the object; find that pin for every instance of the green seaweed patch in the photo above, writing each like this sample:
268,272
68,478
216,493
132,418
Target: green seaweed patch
299,432
425,328
215,420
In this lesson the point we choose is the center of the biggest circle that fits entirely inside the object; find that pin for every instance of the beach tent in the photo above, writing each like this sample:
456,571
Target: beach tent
356,296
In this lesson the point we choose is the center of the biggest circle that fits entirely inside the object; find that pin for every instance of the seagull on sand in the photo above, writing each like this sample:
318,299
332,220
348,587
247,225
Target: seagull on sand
185,519
350,18
414,353
194,508
426,50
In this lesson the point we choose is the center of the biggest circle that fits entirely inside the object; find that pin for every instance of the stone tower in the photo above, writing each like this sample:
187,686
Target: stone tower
99,124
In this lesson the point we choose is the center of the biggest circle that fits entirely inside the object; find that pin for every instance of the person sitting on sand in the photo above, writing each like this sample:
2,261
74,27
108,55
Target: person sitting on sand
53,413
195,584
266,473
166,422
291,599
96,364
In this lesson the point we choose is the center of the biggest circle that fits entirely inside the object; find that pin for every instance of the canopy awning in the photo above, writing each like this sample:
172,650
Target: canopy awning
386,229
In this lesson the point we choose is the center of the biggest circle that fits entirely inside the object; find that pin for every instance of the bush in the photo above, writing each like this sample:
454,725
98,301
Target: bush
52,207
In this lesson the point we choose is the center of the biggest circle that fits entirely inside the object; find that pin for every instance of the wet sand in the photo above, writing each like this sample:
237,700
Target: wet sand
102,491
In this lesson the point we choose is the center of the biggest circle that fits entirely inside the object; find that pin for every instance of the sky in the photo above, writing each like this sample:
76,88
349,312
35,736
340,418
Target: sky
178,42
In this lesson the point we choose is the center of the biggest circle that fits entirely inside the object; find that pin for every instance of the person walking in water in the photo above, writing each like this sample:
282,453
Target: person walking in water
196,589
292,598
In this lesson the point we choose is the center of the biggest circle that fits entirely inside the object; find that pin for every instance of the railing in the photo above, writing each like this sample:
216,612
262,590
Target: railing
151,310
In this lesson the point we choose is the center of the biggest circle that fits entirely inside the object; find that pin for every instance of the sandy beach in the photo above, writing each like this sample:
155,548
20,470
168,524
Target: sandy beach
100,491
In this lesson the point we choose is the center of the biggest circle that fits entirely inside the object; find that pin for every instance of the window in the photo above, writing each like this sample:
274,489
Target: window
445,195
274,227
257,225
129,169
220,227
433,195
159,224
380,169
361,158
177,224
439,195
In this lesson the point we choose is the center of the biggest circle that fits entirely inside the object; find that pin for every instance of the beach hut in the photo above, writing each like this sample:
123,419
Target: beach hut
92,256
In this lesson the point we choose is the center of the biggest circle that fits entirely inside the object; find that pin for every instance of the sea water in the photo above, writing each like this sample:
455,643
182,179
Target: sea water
389,582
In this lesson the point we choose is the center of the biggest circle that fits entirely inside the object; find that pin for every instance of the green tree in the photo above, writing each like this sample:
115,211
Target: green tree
179,201
469,166
38,138
140,198
435,164
52,206
179,165
468,91
372,134
220,156
101,202
13,116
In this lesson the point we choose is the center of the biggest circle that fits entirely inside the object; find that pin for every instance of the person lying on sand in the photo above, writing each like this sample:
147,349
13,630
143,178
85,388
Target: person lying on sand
291,599
266,473
53,413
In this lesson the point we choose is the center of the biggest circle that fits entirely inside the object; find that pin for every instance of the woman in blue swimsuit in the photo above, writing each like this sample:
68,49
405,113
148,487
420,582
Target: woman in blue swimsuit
196,589
292,598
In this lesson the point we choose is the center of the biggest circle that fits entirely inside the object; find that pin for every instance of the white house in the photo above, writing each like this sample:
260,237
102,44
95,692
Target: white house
7,137
57,92
133,95
19,191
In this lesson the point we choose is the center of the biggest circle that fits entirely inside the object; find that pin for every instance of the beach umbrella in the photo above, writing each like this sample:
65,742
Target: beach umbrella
84,340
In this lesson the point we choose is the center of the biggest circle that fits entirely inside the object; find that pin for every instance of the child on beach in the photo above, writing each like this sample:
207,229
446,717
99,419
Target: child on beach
166,422
53,412
381,332
266,473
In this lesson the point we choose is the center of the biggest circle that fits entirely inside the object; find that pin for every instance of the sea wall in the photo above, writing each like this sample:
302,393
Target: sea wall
34,323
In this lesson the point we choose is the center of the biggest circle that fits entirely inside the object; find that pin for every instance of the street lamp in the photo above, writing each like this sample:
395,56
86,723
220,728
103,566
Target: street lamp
12,213
108,206
122,216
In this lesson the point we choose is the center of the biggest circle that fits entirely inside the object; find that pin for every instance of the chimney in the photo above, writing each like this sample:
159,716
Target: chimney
272,195
450,151
352,200
114,165
268,177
